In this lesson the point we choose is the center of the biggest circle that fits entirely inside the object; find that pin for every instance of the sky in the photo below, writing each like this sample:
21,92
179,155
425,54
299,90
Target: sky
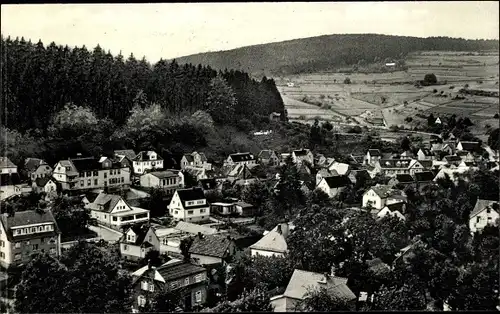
178,29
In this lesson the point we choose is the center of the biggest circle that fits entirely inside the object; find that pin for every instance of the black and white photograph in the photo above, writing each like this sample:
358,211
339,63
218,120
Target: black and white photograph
249,157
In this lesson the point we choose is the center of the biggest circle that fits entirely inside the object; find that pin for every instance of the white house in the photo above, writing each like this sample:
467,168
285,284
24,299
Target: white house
425,154
380,195
37,168
468,146
372,156
273,243
339,167
169,180
395,210
240,159
113,211
7,166
300,155
332,186
137,241
44,184
189,205
146,160
196,160
438,121
485,212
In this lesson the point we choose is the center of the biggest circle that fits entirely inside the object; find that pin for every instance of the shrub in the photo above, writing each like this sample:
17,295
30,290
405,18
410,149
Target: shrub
434,90
495,116
302,117
394,128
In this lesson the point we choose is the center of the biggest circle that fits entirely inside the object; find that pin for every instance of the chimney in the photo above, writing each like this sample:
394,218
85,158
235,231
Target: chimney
278,229
332,271
149,263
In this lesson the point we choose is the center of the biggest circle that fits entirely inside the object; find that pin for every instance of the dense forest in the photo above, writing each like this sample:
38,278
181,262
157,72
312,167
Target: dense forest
329,52
38,81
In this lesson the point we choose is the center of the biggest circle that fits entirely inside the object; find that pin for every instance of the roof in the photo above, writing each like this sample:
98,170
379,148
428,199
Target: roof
470,145
265,154
396,206
86,164
164,174
140,232
194,228
404,178
339,167
179,269
452,158
394,163
10,179
129,153
28,217
273,241
301,152
32,164
424,176
382,190
337,181
303,280
41,182
327,173
6,163
481,205
194,193
374,152
145,155
426,152
426,163
189,157
210,245
238,157
108,201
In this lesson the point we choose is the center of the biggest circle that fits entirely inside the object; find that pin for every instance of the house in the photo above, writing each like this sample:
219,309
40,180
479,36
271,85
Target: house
37,168
89,173
380,195
125,153
448,148
223,208
189,205
245,209
7,166
275,116
332,186
372,156
406,155
301,155
113,211
268,157
195,160
468,146
304,281
173,275
452,160
242,175
324,173
273,243
437,121
485,212
392,167
424,177
197,173
425,154
209,185
403,179
453,172
26,233
45,184
169,180
146,160
194,229
240,159
339,167
355,175
10,185
137,241
395,210
212,249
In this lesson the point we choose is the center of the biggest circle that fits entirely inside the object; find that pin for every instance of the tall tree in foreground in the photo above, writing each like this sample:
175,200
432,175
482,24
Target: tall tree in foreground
322,300
255,300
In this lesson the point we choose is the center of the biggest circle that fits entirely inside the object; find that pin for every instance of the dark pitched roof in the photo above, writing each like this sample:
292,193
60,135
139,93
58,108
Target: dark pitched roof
6,163
238,157
145,155
337,181
189,157
426,163
396,206
86,164
140,232
301,152
164,174
374,152
404,178
453,158
40,182
32,164
470,146
427,152
9,179
177,270
129,153
424,176
28,217
191,194
481,205
108,201
210,245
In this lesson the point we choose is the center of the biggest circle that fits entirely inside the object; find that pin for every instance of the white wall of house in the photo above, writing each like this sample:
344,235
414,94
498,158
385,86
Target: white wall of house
482,219
6,248
255,252
205,260
9,170
323,186
42,171
370,197
141,166
177,210
385,211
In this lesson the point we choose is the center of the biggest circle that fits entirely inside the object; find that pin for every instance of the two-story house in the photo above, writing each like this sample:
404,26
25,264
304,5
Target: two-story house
273,243
485,212
89,173
169,180
46,185
195,160
301,155
380,195
332,186
113,211
25,233
468,146
37,168
393,167
7,166
137,241
212,249
189,205
324,173
240,158
425,154
173,275
372,157
146,160
268,157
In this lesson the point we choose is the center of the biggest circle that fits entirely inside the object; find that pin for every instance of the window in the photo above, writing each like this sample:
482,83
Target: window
186,281
82,183
105,175
118,171
95,181
198,296
190,212
173,285
89,182
35,247
33,229
18,231
141,300
150,239
202,210
125,247
17,257
123,179
176,212
478,219
18,245
151,287
81,174
2,255
488,210
96,173
198,278
89,173
2,243
144,285
114,218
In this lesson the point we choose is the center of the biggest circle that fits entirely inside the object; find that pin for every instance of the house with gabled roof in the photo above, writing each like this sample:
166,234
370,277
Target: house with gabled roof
453,160
380,195
37,168
468,146
372,156
174,275
115,212
147,160
361,174
7,166
137,241
425,154
324,173
25,233
189,205
303,282
168,180
240,158
273,243
195,160
485,212
45,184
339,167
212,249
332,186
268,157
242,175
127,153
11,185
394,210
403,179
301,155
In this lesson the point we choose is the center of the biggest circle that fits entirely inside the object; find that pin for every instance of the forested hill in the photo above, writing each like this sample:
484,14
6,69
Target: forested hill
38,81
328,52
